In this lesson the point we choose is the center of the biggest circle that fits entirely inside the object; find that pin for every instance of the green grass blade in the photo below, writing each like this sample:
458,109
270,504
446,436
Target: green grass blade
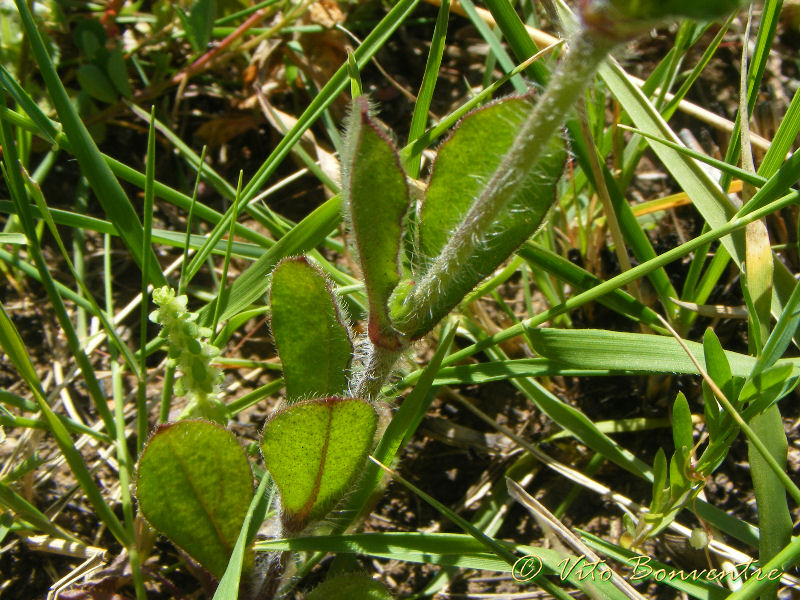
12,172
774,518
733,171
622,279
766,35
598,348
111,331
30,271
24,509
420,116
28,406
783,562
578,424
47,128
706,195
228,588
335,85
494,43
499,550
159,236
783,140
223,286
106,187
12,344
781,335
137,178
149,199
126,463
252,283
445,549
695,587
517,36
620,301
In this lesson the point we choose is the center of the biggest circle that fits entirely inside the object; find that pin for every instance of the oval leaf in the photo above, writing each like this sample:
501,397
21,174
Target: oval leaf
477,148
376,201
314,451
96,83
716,362
194,485
350,586
659,481
682,426
309,331
118,73
763,389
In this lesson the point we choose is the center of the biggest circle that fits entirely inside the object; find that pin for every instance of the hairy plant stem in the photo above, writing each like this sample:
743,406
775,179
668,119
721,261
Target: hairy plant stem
570,80
376,372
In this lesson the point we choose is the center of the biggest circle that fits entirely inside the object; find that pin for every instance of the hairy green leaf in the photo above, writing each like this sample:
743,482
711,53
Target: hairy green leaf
376,202
464,165
194,485
315,451
309,331
350,586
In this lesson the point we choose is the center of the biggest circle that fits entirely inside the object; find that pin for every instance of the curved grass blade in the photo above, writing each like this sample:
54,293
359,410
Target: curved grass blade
253,282
228,588
12,172
13,346
620,301
106,187
335,85
420,116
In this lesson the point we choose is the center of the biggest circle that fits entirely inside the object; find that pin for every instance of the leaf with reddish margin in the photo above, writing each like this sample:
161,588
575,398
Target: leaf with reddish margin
194,485
309,331
464,165
314,451
376,201
350,586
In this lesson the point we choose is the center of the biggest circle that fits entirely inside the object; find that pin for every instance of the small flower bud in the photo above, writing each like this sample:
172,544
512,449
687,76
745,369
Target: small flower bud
699,539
